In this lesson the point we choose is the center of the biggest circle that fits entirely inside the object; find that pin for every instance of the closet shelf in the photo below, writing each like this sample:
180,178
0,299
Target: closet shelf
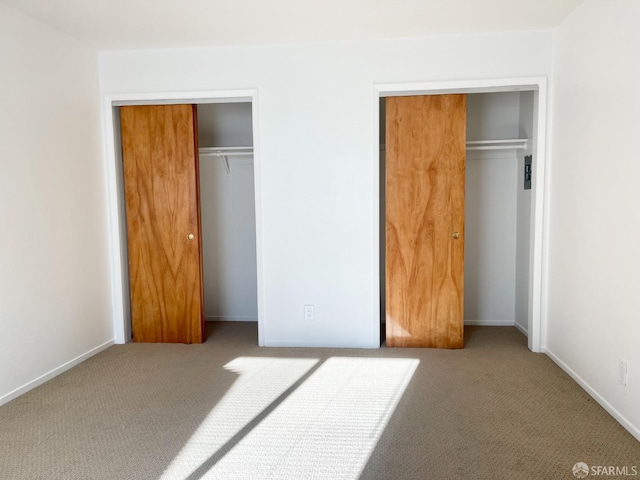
225,151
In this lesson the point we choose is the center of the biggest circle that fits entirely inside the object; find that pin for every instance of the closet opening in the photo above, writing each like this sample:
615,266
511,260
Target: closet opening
500,230
224,228
227,210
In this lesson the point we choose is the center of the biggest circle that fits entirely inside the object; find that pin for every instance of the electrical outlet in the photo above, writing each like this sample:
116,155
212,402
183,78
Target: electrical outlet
309,313
623,368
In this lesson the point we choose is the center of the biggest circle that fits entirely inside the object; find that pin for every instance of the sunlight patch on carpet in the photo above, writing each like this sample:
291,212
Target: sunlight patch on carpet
260,381
266,426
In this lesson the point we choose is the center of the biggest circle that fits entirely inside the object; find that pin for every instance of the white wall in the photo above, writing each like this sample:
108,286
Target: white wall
55,302
228,239
225,125
227,202
593,308
490,240
493,116
523,215
316,131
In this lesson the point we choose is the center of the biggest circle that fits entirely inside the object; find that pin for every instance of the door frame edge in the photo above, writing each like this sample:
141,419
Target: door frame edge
114,217
539,222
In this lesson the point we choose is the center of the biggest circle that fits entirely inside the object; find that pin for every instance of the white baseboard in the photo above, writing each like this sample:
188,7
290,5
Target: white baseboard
54,373
232,318
312,344
523,330
490,323
622,420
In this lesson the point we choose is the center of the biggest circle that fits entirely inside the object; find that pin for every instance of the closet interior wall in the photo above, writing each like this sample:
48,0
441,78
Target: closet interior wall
227,203
528,120
122,213
497,211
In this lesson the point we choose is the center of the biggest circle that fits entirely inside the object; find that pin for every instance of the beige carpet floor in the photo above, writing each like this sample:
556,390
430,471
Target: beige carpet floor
229,409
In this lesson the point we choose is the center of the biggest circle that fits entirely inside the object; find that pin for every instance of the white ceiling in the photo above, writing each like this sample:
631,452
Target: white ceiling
117,24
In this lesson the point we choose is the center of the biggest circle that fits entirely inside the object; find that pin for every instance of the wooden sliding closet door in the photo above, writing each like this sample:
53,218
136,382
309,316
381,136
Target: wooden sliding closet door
159,148
425,170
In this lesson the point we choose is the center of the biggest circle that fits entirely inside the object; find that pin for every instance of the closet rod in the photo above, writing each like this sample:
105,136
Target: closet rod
226,151
508,144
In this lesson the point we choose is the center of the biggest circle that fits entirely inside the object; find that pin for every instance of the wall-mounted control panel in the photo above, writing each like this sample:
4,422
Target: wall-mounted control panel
528,160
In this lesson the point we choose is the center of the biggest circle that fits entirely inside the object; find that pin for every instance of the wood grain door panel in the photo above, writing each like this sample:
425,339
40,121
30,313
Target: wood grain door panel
159,146
425,170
